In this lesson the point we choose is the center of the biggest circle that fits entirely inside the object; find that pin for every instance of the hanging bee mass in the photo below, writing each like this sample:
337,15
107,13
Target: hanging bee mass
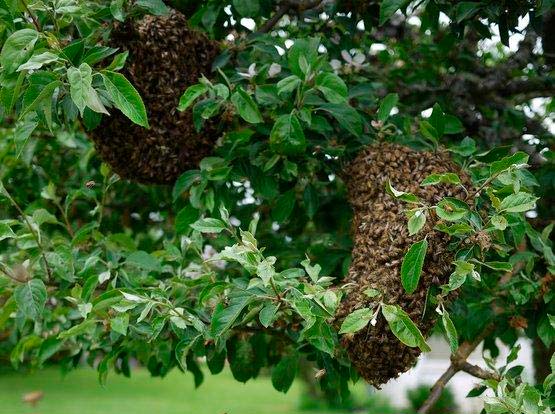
381,239
165,57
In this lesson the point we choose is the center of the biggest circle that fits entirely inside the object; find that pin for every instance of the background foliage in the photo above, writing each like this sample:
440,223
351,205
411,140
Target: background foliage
242,259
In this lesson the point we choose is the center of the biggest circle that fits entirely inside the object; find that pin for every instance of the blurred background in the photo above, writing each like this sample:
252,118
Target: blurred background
79,392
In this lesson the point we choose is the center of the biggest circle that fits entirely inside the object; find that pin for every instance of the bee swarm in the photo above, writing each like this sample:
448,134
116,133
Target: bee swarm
381,239
165,57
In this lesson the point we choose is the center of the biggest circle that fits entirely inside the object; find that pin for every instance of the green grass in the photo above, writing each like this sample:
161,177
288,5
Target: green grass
80,393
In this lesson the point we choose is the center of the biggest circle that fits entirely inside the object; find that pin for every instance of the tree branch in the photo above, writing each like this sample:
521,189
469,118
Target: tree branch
459,363
286,6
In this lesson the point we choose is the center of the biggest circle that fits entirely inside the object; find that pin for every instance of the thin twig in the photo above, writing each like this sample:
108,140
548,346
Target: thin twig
269,25
459,363
33,233
286,6
479,372
33,18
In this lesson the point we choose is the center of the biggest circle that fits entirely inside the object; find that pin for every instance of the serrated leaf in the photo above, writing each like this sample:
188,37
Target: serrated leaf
332,86
386,106
17,49
31,298
404,328
356,320
246,107
416,222
144,260
411,269
38,61
284,373
190,95
401,195
447,178
209,225
287,136
125,97
450,331
267,314
223,317
518,158
518,203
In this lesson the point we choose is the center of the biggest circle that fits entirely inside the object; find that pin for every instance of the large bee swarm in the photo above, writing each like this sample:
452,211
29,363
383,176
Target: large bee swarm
381,239
165,57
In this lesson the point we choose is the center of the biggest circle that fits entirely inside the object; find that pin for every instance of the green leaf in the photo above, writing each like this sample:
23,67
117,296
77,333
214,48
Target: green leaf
125,97
303,51
44,95
452,209
81,90
284,373
190,95
453,125
184,182
83,327
242,362
311,200
6,232
267,314
356,320
450,331
437,120
287,136
386,106
501,266
17,49
462,270
518,158
499,222
38,61
404,328
288,84
333,87
31,298
209,225
144,261
284,206
518,203
223,317
416,221
465,148
411,269
347,117
119,61
120,323
401,195
247,8
156,7
183,220
388,9
429,132
246,107
445,178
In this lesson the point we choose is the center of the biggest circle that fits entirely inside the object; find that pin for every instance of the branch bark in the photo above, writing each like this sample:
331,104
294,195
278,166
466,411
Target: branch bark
459,363
285,7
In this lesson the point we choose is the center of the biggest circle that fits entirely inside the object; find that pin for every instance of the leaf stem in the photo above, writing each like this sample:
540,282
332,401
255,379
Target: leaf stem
33,17
31,229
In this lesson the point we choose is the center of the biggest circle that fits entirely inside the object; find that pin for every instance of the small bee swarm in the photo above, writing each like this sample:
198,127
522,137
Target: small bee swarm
381,239
165,57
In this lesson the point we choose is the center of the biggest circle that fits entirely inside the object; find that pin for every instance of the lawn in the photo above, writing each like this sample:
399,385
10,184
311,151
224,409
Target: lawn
80,393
